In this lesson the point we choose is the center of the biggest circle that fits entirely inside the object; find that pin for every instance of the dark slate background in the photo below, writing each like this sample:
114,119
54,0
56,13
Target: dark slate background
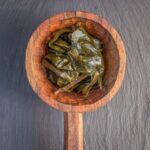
27,123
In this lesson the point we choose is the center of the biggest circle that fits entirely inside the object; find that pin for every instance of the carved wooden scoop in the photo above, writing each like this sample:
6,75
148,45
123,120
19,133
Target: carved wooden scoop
73,104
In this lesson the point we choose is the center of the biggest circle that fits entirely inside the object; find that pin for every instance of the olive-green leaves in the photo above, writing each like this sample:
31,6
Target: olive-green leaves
74,61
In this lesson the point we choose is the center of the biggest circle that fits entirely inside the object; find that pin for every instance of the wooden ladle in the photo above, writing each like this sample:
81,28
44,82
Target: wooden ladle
73,104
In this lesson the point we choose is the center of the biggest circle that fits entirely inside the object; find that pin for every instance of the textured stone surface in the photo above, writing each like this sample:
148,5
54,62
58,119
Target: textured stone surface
26,123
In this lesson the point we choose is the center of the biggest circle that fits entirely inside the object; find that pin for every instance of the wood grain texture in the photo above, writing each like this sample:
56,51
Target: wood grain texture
114,60
73,133
26,123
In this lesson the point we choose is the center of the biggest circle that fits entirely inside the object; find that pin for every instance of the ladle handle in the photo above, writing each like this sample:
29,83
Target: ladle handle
73,131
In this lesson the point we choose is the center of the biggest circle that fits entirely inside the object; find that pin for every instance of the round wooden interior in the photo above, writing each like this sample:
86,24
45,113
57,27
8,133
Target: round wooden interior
114,59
